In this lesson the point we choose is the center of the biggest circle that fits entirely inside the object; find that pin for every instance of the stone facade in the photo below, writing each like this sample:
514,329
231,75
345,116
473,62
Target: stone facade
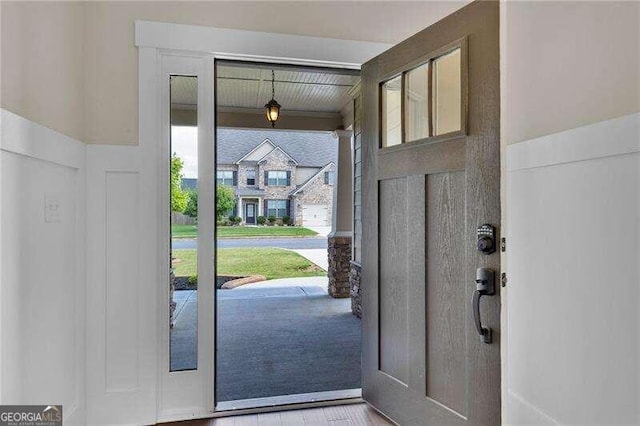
242,175
276,160
339,259
314,192
355,276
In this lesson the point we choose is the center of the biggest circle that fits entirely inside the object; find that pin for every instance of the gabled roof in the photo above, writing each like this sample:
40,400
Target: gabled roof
248,154
309,149
277,148
301,187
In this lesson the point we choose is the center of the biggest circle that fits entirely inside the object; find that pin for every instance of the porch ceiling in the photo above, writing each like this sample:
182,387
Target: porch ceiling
247,88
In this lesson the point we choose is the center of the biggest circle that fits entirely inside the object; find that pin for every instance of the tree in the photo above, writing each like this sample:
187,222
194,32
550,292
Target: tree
178,196
192,203
225,200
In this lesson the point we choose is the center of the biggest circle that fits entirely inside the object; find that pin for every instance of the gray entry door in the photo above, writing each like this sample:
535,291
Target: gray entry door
250,213
431,177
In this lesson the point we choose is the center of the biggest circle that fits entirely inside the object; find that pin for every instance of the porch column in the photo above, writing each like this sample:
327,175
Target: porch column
239,209
259,212
339,240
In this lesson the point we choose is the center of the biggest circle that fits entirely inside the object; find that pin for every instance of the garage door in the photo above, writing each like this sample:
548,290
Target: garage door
315,215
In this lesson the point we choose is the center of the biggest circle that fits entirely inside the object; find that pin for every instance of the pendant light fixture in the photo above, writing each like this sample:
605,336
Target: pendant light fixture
272,108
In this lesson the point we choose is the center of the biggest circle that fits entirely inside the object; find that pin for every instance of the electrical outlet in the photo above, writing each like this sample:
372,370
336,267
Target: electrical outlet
52,208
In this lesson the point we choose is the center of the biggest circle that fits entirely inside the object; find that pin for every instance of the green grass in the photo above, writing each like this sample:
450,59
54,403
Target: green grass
273,263
183,231
190,231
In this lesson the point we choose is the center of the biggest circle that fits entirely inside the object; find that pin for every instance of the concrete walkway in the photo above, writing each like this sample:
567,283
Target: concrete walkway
321,282
322,231
317,256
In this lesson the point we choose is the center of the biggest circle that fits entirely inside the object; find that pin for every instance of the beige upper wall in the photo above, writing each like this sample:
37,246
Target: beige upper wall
73,66
568,64
43,64
110,65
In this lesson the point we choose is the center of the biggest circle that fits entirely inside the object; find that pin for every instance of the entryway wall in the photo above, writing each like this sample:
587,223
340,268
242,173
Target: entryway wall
571,135
564,66
42,296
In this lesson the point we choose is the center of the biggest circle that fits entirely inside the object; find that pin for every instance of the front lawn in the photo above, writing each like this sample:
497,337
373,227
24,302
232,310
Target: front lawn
263,231
273,263
190,231
184,231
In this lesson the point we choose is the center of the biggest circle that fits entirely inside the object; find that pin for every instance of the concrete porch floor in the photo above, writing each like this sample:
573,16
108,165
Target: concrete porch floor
273,339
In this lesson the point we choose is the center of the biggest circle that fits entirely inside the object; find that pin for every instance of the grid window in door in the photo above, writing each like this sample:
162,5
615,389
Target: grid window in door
391,112
277,178
427,100
447,93
416,100
277,208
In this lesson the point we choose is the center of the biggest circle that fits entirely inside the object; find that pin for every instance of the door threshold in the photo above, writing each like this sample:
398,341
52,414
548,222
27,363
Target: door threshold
284,402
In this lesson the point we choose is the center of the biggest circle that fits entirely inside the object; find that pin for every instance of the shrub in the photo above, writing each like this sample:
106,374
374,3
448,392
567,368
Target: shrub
236,220
261,220
192,281
271,219
286,220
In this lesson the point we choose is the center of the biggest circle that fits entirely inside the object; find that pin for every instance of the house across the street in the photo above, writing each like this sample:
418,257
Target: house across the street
278,173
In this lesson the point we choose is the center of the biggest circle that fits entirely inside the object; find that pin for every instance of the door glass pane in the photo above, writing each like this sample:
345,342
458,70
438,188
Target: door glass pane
416,100
184,218
391,112
447,93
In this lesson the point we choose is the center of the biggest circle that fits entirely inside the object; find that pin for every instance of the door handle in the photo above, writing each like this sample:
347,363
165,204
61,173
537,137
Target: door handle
485,286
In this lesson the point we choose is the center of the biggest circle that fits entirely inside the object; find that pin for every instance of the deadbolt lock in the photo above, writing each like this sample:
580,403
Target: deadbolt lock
486,238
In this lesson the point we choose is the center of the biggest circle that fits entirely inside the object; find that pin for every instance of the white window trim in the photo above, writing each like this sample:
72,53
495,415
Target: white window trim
156,40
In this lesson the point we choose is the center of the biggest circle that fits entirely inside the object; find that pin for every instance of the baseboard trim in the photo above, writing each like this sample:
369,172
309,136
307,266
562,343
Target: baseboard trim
286,400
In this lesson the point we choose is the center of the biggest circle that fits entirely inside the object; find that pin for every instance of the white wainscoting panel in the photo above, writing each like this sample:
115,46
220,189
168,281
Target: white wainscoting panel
121,298
121,285
42,292
573,295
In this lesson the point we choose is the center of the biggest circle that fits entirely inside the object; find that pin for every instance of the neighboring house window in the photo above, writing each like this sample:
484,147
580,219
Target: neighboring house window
278,178
277,208
251,177
226,177
329,178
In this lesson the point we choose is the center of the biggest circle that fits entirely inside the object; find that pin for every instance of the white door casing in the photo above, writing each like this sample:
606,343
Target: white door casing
187,394
128,379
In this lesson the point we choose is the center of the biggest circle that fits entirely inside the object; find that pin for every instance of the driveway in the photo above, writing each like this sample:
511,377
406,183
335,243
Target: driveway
304,243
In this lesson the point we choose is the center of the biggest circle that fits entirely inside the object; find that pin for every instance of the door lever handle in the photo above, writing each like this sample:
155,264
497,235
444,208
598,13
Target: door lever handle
485,286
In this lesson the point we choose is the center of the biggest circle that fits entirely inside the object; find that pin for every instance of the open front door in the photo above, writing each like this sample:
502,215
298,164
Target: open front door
431,179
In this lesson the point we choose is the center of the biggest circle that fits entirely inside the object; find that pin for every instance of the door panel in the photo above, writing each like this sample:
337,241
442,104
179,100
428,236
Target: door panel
394,315
446,303
423,360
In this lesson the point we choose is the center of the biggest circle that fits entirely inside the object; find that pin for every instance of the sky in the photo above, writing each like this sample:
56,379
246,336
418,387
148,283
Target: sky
184,142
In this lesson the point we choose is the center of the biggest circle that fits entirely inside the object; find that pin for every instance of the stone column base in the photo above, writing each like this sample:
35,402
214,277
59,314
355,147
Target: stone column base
355,275
339,260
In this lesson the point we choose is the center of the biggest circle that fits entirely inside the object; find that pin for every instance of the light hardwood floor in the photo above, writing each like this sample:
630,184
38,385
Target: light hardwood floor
341,415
